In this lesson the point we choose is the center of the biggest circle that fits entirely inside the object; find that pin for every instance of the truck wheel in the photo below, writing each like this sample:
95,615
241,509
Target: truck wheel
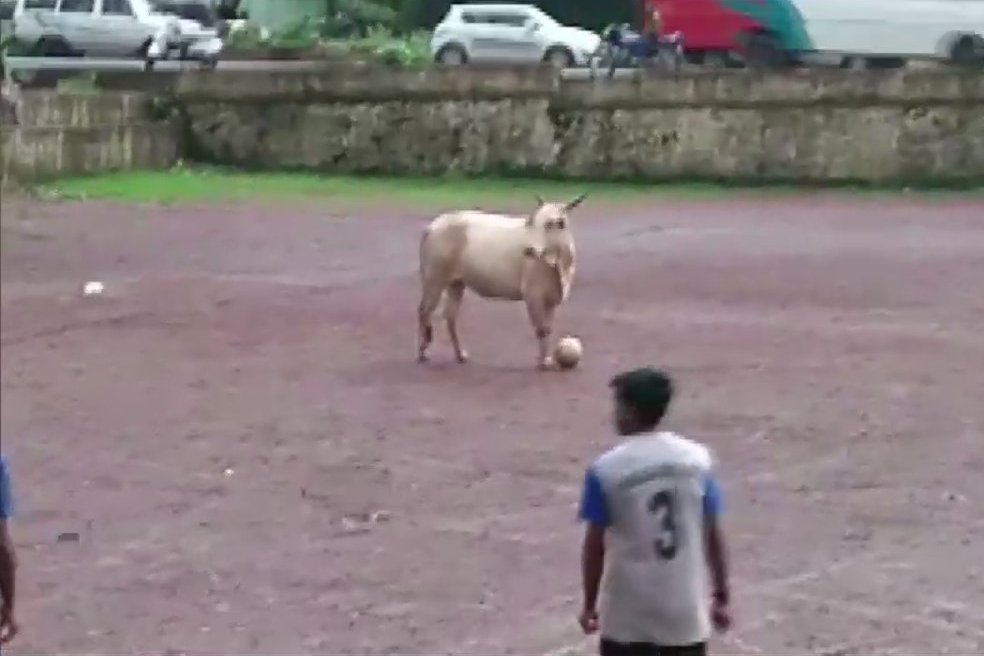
968,52
763,51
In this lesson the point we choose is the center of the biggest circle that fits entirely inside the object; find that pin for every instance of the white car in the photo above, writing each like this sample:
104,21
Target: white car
110,28
509,34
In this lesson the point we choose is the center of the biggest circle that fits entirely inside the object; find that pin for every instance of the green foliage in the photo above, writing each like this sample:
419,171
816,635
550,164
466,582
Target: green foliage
423,13
380,44
246,38
197,184
299,35
354,18
377,43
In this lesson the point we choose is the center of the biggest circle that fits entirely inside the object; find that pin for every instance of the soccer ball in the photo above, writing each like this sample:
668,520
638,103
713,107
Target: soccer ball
567,352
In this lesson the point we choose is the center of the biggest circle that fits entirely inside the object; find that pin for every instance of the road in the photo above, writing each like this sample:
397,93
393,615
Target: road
92,64
98,65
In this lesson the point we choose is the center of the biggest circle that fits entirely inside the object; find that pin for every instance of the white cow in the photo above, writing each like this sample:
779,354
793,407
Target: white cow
530,259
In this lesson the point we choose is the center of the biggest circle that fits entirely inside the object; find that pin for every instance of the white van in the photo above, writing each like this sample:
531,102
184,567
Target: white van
859,31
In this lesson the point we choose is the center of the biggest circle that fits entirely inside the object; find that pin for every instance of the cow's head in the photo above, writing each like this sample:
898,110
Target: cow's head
551,225
553,217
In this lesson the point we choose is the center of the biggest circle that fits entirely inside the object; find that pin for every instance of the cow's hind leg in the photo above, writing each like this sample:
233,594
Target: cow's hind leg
452,306
541,316
430,298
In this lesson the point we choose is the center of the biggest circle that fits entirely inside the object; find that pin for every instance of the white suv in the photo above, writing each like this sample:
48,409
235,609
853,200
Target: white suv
509,33
110,28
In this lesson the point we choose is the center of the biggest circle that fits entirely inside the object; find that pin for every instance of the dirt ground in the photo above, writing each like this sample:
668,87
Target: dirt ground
232,449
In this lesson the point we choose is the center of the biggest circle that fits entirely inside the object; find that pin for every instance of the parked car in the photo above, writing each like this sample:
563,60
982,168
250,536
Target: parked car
111,28
509,33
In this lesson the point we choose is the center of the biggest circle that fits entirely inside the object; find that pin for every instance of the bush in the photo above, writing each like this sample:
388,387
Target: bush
299,36
380,44
355,18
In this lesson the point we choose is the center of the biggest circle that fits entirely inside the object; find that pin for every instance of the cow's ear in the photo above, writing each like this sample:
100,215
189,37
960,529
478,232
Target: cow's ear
577,201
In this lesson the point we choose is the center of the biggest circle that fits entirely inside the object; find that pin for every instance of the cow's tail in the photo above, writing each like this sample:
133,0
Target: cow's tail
439,311
424,236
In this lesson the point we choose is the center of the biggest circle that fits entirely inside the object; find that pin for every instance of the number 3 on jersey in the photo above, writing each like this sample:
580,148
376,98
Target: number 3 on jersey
663,506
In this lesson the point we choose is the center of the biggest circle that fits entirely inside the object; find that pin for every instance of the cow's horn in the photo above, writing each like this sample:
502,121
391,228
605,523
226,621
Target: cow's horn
577,201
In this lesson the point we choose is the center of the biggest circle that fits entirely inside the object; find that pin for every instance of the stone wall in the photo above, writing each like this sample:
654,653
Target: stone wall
48,134
915,127
803,126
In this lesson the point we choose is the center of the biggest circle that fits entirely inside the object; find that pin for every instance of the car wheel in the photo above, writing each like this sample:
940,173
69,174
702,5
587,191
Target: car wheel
968,52
452,55
52,46
210,64
559,58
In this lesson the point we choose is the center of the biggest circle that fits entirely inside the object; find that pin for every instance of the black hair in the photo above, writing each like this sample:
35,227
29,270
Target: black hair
647,391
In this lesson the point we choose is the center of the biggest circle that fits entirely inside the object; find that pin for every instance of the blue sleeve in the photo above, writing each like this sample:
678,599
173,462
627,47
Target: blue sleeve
6,501
713,504
594,507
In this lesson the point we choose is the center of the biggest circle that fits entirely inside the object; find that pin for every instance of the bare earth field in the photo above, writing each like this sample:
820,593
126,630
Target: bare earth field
232,450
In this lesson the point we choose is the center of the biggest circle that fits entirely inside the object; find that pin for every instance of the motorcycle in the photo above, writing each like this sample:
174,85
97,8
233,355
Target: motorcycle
623,47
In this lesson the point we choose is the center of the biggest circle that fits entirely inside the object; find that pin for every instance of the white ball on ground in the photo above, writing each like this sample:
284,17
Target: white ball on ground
567,352
92,287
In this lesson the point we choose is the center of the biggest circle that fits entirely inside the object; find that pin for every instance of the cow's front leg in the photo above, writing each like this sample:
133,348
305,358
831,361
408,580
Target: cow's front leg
541,316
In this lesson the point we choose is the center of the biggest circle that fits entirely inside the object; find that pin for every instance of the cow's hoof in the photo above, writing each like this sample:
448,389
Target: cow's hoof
545,364
462,357
422,358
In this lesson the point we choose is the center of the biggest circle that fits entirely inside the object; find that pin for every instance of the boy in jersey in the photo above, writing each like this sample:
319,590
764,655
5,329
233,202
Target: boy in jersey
8,626
652,503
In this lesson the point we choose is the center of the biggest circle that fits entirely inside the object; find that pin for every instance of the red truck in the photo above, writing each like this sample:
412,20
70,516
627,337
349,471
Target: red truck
712,32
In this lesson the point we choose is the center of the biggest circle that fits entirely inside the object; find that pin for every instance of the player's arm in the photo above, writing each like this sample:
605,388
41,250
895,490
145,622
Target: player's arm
717,553
594,512
592,564
8,561
8,564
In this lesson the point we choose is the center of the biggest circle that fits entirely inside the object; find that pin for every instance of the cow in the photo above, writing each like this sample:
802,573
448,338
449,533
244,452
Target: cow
515,258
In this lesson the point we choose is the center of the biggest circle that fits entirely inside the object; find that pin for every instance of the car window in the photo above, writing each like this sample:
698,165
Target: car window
117,7
510,19
40,4
77,6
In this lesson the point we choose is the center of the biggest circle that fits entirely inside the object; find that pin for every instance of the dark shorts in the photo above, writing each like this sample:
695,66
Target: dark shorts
612,648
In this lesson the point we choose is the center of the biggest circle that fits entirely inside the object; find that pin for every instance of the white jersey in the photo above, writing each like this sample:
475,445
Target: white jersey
655,587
